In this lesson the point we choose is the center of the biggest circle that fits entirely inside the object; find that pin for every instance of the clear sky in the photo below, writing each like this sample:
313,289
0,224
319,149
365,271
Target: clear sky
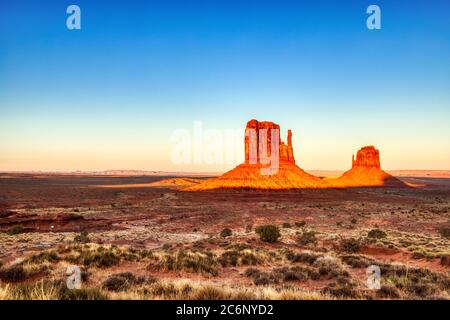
110,96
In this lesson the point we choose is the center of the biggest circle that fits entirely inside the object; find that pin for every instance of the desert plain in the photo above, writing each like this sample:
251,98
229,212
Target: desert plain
146,237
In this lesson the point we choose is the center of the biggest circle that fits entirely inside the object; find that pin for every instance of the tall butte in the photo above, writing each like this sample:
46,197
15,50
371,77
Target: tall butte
269,163
366,171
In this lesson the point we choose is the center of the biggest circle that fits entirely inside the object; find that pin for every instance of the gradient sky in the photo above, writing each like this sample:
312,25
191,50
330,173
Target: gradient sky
109,96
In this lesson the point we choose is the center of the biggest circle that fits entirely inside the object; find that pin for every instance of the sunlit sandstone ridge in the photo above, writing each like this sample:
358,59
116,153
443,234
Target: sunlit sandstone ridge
365,171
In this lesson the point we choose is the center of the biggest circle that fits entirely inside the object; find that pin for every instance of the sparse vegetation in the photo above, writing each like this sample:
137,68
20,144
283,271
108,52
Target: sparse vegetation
350,245
226,233
300,224
306,238
83,237
184,260
16,230
268,233
287,225
376,234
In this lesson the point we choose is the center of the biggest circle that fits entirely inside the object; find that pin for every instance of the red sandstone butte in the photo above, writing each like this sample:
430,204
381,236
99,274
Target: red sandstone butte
250,174
366,172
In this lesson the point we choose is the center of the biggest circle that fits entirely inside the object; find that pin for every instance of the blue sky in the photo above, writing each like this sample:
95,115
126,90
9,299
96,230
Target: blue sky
111,94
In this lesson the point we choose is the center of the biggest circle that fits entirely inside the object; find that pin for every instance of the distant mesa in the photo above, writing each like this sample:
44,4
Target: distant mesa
260,156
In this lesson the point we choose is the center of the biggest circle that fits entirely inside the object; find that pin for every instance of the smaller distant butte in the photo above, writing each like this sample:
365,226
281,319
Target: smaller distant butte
365,172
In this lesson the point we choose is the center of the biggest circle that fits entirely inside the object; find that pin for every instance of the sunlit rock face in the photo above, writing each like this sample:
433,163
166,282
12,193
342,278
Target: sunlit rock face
367,157
264,149
262,140
258,136
366,172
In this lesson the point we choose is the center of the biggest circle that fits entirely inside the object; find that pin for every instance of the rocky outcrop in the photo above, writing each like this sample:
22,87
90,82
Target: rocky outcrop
263,148
367,157
366,172
262,140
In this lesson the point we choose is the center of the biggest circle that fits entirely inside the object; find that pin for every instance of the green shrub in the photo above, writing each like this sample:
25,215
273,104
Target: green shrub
388,291
286,225
307,237
191,261
14,273
300,223
49,256
350,245
83,237
119,282
15,230
376,234
306,257
226,233
268,233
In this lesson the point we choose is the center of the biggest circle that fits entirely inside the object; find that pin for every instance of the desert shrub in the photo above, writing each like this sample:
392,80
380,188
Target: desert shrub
388,291
343,288
41,290
239,257
444,231
248,228
306,257
190,261
14,273
357,261
100,258
297,273
330,266
42,257
264,278
300,223
376,234
119,282
83,237
286,225
306,237
226,232
422,290
81,294
209,293
16,230
350,245
268,233
353,221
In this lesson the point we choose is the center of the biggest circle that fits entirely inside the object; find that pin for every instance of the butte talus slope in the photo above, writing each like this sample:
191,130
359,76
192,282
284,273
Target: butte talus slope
252,174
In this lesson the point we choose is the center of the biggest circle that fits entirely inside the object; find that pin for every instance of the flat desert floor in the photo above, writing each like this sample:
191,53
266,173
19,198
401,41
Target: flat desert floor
136,240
